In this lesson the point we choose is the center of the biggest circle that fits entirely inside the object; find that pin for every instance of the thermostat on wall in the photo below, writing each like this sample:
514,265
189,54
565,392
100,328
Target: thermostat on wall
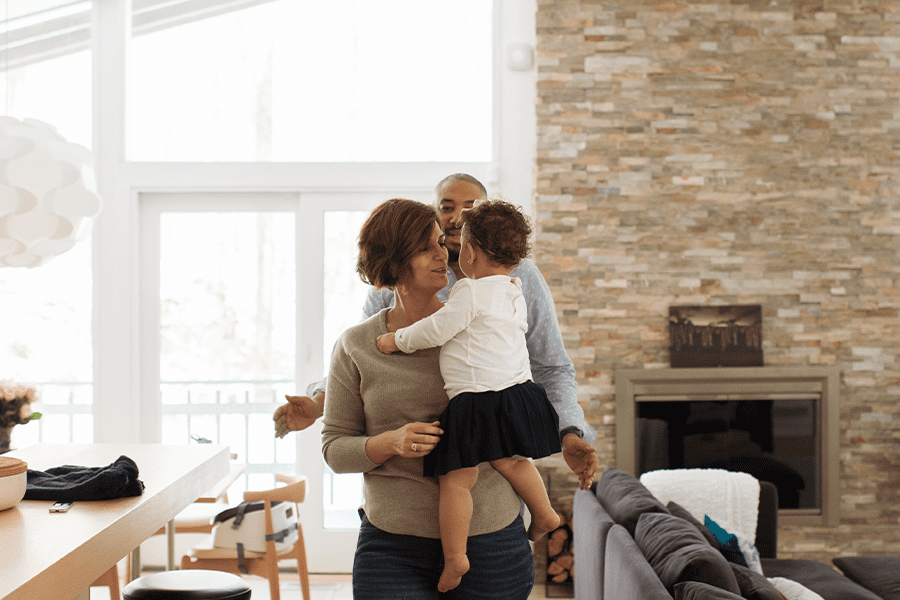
519,57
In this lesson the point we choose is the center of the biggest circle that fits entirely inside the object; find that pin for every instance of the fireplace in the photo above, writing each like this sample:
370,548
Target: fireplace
779,424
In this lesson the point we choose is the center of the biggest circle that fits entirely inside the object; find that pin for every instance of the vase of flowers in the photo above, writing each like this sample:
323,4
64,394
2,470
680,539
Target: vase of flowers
15,409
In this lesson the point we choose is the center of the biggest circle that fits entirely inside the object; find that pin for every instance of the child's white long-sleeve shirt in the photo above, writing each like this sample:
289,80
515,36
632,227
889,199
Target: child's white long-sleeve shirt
481,329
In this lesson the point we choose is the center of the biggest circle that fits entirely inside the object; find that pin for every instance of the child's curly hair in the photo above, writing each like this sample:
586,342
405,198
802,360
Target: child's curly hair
500,229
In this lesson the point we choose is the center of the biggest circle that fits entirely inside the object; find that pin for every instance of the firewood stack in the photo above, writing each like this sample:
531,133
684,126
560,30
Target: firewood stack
559,553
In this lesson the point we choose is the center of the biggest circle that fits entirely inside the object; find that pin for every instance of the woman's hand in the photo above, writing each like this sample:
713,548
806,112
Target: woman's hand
413,440
387,343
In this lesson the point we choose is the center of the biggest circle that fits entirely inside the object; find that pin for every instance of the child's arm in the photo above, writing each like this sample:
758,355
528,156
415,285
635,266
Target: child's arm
456,314
387,344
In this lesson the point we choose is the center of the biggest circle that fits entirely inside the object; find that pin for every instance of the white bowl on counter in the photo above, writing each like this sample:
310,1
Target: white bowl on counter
13,478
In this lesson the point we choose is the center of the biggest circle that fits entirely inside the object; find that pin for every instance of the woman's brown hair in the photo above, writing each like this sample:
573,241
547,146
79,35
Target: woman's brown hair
500,229
396,231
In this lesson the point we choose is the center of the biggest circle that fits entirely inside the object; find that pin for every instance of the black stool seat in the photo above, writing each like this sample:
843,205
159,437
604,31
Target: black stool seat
187,585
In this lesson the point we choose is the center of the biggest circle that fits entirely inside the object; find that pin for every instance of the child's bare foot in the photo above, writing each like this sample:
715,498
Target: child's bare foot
541,524
455,566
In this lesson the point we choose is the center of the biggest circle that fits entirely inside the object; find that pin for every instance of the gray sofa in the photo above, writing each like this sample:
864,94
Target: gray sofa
618,517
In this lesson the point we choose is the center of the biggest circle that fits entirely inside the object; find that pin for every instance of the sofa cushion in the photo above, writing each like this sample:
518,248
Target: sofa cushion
881,574
677,553
753,585
681,512
818,577
625,498
694,590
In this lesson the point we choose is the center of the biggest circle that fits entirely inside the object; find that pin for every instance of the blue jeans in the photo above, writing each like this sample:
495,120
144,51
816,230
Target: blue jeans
388,566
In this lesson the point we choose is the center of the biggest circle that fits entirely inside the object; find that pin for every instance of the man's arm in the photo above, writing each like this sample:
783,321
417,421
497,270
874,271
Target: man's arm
550,364
302,411
299,413
376,301
552,368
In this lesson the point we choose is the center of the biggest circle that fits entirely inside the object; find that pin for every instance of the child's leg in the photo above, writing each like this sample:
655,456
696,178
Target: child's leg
527,482
455,515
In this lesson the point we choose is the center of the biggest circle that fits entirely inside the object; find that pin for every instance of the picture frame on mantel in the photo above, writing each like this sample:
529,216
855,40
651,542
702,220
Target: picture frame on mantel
715,336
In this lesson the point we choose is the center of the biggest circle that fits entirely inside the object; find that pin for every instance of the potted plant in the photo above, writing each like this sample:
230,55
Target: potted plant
15,409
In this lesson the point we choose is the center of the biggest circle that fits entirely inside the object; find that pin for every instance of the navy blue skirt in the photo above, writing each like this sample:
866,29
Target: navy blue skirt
485,426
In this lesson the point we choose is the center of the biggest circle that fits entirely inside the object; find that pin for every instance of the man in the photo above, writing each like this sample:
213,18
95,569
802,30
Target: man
550,365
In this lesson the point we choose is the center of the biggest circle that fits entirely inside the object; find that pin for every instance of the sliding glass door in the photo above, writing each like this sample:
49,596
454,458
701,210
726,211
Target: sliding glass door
242,298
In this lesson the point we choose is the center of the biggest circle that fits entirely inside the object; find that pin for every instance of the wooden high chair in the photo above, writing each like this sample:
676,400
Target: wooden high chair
265,564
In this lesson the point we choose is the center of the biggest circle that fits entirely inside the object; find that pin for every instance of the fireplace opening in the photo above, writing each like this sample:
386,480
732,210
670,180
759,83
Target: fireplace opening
773,440
780,424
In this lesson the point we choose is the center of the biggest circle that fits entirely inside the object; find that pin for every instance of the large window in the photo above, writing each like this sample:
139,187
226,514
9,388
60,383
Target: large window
227,334
46,341
338,105
310,81
46,338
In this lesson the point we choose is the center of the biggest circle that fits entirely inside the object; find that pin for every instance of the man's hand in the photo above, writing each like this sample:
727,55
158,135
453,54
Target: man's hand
299,413
581,459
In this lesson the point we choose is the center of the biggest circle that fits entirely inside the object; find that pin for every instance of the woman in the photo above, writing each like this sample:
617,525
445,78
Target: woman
381,420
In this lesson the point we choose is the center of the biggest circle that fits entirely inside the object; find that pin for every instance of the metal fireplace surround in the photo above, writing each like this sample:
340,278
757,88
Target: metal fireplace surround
742,383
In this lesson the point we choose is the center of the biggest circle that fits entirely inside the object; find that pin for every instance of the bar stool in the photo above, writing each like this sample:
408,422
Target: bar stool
187,585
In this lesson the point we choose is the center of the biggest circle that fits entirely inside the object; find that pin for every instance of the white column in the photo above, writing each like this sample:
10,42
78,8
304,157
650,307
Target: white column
115,232
516,87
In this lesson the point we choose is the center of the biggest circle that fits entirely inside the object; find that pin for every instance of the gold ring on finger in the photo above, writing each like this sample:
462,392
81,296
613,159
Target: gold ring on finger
415,447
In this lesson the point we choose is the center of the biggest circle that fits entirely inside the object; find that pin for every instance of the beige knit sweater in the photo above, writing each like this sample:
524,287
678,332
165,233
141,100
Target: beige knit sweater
370,393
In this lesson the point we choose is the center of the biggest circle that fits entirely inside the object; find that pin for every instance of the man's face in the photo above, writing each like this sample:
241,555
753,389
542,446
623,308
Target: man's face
453,200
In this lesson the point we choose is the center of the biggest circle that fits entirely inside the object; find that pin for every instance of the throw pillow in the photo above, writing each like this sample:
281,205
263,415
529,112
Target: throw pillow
753,585
793,590
746,548
726,542
694,590
678,553
625,498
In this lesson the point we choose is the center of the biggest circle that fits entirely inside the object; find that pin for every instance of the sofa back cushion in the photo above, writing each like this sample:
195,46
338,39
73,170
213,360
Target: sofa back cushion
625,498
677,552
682,513
767,521
694,590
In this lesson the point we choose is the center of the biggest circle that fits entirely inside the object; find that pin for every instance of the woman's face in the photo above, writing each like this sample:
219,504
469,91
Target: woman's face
428,268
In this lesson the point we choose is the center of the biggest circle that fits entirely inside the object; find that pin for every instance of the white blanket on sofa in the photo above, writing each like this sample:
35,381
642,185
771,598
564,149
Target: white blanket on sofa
730,499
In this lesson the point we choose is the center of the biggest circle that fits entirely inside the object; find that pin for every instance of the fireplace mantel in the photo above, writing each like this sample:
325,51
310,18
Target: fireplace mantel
742,383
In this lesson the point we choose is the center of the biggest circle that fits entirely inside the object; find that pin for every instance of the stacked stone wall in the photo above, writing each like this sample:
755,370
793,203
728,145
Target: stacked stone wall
742,152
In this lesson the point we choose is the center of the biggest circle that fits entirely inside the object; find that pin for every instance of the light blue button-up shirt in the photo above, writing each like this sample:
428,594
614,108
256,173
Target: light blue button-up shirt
550,365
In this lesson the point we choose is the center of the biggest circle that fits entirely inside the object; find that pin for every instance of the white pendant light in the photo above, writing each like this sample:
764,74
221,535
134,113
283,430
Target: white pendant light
47,193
